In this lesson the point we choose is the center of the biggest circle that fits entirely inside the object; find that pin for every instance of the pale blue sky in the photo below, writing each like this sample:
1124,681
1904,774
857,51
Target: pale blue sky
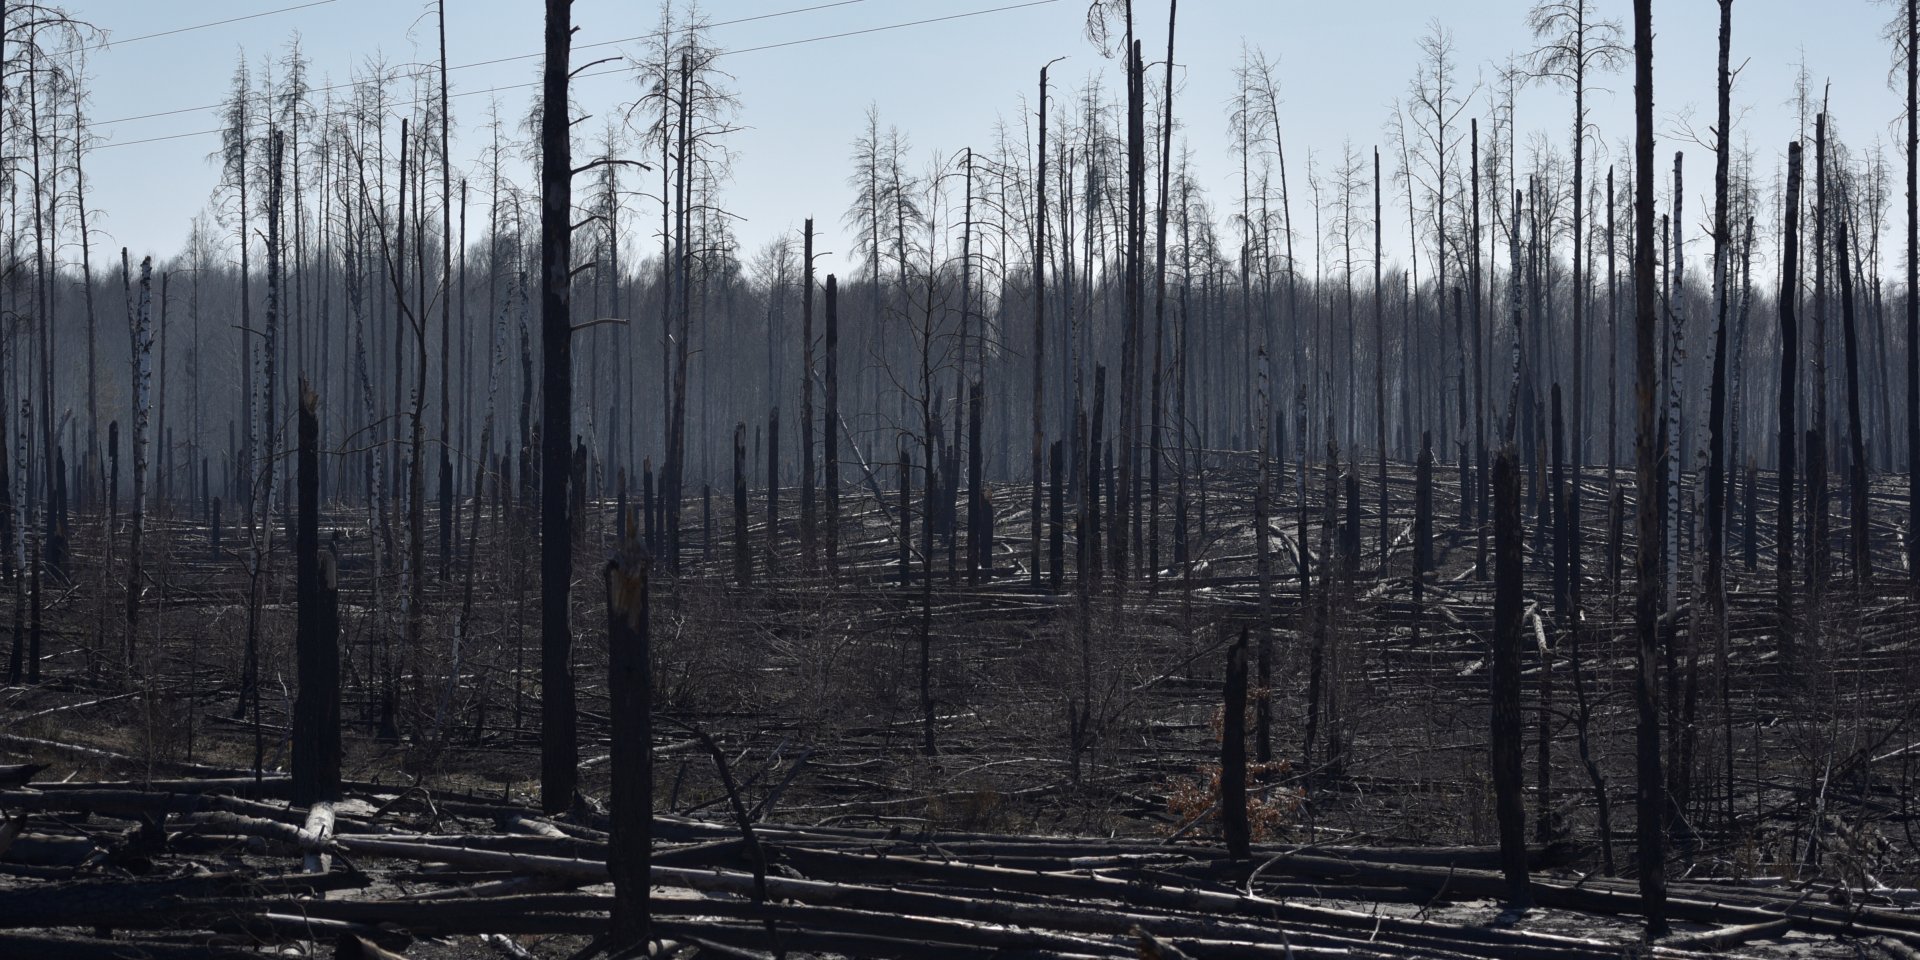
1341,66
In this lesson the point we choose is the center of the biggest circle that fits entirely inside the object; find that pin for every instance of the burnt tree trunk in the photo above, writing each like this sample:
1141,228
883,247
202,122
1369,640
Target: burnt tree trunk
1057,525
316,711
1509,804
808,545
559,752
1789,376
1039,333
742,550
1650,791
906,516
1856,444
773,486
979,542
831,434
1233,753
1913,302
630,685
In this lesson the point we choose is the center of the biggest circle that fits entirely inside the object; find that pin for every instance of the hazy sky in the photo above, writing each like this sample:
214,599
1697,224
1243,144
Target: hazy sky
1341,67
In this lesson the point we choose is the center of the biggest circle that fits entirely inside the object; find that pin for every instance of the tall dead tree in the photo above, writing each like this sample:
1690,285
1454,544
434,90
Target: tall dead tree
1576,45
141,337
1818,546
1717,399
830,439
1380,368
1856,443
1650,790
559,753
1039,338
1122,511
446,306
1157,426
1789,376
1913,284
807,483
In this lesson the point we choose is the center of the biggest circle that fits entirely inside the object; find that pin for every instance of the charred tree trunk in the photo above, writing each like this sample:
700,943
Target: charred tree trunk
1506,734
142,356
1479,495
1233,753
1039,336
742,550
1819,545
808,544
906,516
1650,793
1380,380
1057,527
1913,302
773,487
316,712
1422,518
1856,444
1789,377
630,684
559,751
831,436
1717,420
979,543
1157,426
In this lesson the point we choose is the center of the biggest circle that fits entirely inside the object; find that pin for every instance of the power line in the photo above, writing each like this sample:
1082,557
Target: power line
616,70
133,143
894,26
203,26
487,63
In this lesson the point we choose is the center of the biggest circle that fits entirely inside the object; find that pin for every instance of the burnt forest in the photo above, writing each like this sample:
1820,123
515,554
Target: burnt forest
480,521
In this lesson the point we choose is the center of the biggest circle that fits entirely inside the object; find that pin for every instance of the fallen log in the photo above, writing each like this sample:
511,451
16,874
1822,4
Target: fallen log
586,871
110,903
94,948
314,836
18,774
355,947
1721,938
43,850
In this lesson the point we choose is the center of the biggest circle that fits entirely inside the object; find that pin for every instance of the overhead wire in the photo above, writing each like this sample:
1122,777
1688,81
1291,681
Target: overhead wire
487,63
202,26
610,71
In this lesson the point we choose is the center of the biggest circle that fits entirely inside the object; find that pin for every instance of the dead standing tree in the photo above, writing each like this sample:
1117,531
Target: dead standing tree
1912,61
316,716
141,335
559,753
1856,445
1789,376
630,684
1577,44
1506,731
1650,798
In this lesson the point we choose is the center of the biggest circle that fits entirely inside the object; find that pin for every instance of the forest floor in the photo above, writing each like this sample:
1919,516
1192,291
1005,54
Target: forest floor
1068,805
